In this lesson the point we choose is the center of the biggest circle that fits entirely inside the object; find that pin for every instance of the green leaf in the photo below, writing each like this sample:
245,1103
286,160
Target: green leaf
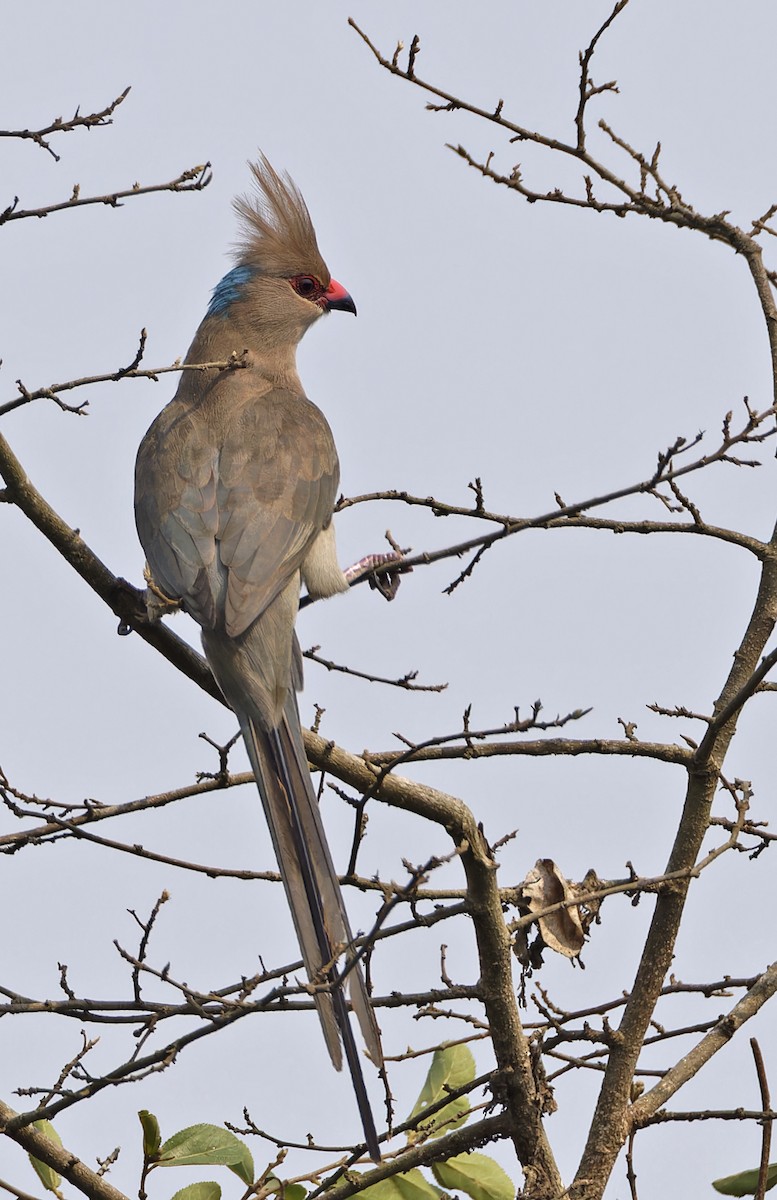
207,1190
477,1175
291,1191
47,1175
745,1183
294,1191
453,1067
207,1145
411,1186
152,1135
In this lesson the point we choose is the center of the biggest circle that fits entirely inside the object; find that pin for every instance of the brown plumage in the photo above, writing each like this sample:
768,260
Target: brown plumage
235,486
277,232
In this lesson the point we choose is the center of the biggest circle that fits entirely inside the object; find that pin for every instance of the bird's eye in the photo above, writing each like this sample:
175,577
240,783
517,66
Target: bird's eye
306,286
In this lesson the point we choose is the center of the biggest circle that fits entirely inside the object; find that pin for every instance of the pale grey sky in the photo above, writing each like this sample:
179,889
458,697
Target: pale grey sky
542,349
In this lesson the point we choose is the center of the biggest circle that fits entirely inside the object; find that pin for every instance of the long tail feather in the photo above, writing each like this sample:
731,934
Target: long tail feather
317,907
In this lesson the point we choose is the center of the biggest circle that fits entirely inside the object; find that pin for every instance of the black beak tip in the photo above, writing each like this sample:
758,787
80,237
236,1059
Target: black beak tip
342,304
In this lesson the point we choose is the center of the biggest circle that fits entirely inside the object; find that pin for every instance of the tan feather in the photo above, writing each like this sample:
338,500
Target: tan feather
278,237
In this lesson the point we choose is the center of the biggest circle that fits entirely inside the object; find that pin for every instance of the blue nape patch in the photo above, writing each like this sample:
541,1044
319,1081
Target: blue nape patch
228,289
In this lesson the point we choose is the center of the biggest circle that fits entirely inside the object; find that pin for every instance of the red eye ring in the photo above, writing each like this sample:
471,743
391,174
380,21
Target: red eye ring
307,287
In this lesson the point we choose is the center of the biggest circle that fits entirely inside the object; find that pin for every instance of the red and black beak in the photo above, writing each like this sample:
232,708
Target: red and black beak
336,296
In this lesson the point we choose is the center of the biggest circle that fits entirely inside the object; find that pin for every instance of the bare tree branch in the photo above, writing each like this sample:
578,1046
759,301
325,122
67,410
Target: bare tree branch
192,180
91,121
67,1164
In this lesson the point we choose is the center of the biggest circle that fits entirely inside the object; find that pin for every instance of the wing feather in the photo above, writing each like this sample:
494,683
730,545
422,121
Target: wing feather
227,510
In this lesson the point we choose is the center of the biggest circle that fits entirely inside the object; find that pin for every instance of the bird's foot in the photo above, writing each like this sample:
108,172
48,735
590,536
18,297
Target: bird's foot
157,603
387,581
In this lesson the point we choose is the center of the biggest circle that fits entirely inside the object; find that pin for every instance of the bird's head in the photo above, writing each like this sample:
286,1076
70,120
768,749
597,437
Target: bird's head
281,284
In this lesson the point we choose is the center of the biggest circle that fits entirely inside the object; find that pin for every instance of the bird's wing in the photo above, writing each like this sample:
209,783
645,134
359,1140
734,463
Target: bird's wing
229,496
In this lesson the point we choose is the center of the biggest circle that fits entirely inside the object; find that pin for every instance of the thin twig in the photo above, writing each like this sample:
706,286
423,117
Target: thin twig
192,180
77,121
766,1130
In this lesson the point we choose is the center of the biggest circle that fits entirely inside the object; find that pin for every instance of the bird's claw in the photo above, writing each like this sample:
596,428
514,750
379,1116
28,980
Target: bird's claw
387,582
157,603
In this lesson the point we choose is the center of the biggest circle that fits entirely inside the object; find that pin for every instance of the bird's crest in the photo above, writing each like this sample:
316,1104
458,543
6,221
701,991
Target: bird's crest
278,237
